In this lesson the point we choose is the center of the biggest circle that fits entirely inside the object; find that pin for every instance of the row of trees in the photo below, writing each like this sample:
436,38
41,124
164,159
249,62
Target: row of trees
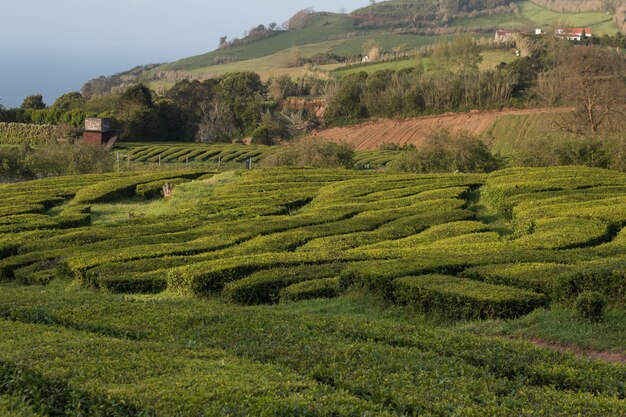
457,84
554,73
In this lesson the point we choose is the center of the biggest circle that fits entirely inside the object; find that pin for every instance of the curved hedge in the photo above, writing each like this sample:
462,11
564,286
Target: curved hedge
460,298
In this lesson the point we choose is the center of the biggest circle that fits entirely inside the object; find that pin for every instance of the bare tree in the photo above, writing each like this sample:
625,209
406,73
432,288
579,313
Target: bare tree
216,123
592,81
300,18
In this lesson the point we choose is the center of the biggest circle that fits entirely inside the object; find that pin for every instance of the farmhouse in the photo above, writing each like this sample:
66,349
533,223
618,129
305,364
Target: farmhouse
503,35
574,34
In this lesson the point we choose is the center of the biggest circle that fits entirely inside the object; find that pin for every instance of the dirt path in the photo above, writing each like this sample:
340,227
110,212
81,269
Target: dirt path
369,136
613,357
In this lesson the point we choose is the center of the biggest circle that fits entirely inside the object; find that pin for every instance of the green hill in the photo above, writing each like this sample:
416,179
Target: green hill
394,24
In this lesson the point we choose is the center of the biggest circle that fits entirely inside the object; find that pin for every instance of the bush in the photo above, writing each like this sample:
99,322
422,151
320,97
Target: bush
591,305
311,152
459,298
319,288
69,159
265,287
18,133
445,151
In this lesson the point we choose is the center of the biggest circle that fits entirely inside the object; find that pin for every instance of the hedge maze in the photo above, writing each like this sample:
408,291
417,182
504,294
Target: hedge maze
250,235
231,252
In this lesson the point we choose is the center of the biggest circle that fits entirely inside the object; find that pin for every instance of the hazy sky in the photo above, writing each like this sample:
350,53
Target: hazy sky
54,46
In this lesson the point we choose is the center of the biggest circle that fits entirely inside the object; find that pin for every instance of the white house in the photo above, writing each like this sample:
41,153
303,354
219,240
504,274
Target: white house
574,34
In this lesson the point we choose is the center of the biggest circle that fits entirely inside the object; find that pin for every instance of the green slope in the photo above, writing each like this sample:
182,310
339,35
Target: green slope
322,27
392,24
335,33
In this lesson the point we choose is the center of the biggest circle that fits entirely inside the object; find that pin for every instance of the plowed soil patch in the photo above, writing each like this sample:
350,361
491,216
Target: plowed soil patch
369,136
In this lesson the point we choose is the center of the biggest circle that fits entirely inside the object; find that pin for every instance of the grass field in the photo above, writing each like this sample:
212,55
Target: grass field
490,60
533,16
114,301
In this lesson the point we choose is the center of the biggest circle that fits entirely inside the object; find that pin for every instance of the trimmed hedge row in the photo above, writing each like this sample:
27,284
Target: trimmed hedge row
459,298
535,276
308,290
264,287
125,187
152,190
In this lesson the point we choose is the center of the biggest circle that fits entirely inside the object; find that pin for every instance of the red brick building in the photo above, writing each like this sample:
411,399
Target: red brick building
99,132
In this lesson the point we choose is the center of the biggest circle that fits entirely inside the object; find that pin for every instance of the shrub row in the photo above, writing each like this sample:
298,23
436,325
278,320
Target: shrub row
264,287
112,190
308,290
535,276
152,190
460,298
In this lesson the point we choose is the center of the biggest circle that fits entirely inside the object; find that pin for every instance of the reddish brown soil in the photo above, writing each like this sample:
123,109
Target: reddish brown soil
369,136
613,357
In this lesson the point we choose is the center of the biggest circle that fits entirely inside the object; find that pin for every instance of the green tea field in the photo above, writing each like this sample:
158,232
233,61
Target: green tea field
311,292
221,155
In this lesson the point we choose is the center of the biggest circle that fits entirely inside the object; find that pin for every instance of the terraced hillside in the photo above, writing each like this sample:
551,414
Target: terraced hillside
454,246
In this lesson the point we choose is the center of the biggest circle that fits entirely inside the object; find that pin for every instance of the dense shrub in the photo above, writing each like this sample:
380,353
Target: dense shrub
69,159
54,159
465,299
591,306
445,151
20,133
319,288
311,152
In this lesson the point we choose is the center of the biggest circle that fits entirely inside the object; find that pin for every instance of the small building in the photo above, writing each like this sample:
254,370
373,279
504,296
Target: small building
504,35
574,34
366,60
538,31
98,131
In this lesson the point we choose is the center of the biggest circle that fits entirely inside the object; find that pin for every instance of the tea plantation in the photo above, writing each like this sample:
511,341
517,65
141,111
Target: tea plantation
223,155
304,292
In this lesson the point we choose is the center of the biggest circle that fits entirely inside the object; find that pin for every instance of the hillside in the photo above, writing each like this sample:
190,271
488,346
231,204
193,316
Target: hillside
396,24
369,136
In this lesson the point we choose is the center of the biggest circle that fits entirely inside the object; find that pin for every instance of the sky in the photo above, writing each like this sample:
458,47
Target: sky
53,47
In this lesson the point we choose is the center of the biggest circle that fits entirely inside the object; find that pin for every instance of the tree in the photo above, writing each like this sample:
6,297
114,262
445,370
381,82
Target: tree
591,79
34,102
217,122
299,19
345,106
69,101
282,87
242,94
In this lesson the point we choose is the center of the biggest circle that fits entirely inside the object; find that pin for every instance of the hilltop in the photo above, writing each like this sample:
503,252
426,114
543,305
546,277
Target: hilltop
318,43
